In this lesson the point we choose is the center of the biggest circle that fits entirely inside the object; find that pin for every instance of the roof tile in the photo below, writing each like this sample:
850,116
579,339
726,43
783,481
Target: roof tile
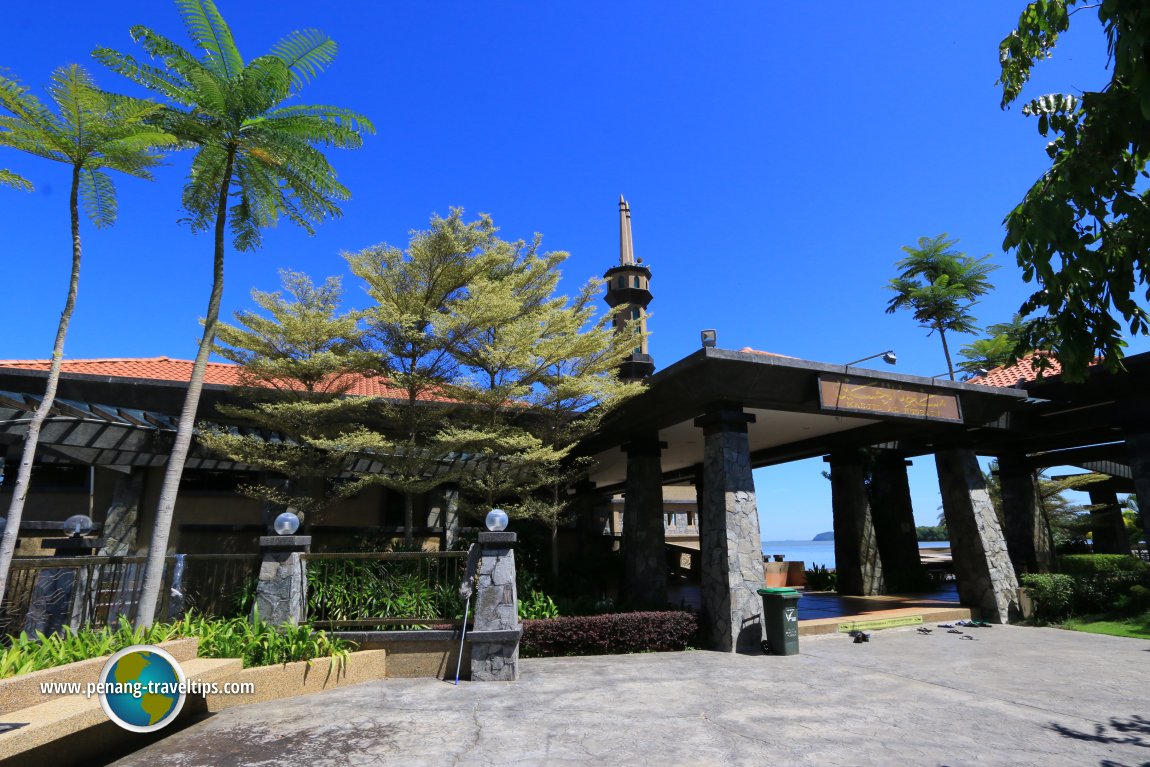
167,369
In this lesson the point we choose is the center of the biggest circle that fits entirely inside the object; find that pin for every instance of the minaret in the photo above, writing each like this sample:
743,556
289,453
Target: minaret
630,283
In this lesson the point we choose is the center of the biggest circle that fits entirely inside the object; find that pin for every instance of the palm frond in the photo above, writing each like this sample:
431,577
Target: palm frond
332,126
160,80
8,178
263,84
306,53
208,28
32,140
205,180
98,194
78,102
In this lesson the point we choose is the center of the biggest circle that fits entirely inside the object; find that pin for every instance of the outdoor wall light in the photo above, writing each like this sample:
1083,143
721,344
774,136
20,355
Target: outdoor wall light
286,523
78,524
709,338
889,357
496,520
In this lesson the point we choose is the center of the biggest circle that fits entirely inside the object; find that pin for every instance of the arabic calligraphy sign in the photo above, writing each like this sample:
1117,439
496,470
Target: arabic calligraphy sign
887,398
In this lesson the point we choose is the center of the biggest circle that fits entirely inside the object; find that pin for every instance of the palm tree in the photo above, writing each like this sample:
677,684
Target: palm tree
940,286
92,132
250,148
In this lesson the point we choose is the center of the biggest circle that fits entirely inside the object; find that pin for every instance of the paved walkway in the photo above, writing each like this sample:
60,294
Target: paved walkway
1012,696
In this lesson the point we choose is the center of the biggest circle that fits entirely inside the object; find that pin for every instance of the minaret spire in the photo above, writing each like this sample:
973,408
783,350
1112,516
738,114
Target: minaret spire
626,245
629,287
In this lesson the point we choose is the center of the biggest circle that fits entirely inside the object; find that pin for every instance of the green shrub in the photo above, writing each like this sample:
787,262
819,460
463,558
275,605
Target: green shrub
819,578
1135,601
1053,594
1103,565
258,643
26,654
537,606
608,634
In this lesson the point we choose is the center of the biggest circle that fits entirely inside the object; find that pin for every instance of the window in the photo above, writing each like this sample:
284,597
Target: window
635,281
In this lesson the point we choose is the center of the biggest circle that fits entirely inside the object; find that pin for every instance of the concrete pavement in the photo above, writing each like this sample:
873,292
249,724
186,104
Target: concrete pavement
1010,696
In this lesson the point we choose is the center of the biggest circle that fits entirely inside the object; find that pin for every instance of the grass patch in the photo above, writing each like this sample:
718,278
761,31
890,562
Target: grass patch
1137,627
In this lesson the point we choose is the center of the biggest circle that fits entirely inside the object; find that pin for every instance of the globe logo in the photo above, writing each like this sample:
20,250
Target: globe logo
142,688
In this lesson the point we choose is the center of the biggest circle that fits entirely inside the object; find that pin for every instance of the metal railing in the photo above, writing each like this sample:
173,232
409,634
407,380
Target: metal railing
385,590
48,593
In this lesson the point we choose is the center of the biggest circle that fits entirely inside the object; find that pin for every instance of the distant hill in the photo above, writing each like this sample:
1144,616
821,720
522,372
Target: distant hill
824,536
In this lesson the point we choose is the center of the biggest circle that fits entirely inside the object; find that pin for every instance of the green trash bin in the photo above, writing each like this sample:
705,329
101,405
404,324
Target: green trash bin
781,616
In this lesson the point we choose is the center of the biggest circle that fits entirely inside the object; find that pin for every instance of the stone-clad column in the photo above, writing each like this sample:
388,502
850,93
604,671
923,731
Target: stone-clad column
1138,450
121,520
893,515
644,549
281,593
495,637
982,566
1106,523
731,550
857,559
1027,534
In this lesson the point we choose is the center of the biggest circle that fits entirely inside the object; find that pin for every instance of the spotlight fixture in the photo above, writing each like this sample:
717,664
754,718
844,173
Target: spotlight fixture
709,338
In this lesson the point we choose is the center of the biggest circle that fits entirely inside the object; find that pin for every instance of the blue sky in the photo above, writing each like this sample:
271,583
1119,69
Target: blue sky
776,157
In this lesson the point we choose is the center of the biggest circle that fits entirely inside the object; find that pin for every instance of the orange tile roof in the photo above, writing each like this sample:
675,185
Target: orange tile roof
1024,370
167,369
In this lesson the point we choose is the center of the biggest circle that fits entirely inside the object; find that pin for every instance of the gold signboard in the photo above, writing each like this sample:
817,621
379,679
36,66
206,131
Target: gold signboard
888,398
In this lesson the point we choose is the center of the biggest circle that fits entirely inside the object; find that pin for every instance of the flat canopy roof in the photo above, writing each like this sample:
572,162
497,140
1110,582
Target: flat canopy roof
802,409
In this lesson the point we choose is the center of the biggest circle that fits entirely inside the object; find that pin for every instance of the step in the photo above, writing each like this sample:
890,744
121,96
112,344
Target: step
70,714
903,616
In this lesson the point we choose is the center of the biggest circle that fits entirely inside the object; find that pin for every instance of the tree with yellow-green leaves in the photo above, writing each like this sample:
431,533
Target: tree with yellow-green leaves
541,373
298,357
410,332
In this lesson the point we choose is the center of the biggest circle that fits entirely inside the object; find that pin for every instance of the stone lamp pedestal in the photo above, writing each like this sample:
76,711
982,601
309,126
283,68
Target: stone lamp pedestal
281,593
495,637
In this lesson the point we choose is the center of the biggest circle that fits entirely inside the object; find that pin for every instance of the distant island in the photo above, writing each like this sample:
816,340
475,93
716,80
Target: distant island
824,536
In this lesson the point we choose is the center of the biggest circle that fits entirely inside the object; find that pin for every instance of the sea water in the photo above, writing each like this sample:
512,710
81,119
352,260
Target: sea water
821,552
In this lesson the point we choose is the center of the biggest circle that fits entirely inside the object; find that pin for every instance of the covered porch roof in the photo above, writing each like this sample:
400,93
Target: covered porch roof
801,409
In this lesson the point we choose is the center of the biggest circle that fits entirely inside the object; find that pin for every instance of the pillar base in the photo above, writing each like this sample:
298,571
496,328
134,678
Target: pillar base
281,593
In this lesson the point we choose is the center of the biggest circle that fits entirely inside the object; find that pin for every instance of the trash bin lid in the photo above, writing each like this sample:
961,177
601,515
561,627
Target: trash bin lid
778,590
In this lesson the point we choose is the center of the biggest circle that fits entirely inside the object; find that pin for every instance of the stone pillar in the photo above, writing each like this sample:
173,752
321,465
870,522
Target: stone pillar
644,549
1138,450
982,566
731,550
892,514
1025,526
495,636
281,592
1106,523
444,514
857,558
121,520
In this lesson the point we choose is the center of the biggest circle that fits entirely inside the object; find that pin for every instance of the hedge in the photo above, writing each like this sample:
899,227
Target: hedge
1103,564
1091,583
608,634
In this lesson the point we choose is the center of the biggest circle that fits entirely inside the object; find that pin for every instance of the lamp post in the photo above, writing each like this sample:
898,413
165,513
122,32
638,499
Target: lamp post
889,357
